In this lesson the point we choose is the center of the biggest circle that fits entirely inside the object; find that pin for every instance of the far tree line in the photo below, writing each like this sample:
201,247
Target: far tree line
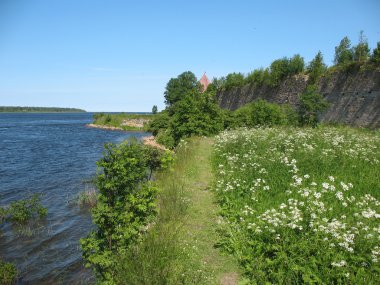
347,56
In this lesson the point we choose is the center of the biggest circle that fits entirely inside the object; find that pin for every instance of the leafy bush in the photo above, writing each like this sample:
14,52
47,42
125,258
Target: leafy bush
316,68
195,113
234,80
376,54
262,113
8,273
278,71
180,85
311,104
343,52
22,211
126,204
258,76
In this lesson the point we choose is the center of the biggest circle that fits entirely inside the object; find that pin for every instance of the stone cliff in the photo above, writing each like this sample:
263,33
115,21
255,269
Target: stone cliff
354,96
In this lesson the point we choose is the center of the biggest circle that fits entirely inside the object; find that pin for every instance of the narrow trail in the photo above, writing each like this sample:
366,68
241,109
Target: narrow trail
200,223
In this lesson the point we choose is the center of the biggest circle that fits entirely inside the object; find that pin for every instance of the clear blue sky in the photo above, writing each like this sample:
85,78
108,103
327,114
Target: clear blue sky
118,55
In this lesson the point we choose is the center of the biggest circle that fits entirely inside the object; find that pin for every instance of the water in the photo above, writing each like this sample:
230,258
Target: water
51,154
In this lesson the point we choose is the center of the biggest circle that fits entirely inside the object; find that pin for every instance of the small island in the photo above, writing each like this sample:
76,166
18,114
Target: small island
18,109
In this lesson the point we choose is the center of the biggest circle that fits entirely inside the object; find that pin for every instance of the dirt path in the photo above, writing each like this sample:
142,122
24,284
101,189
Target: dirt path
203,214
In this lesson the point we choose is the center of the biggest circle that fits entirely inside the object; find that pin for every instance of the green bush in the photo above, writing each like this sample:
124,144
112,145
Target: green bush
126,205
234,80
262,113
258,76
22,211
311,105
8,273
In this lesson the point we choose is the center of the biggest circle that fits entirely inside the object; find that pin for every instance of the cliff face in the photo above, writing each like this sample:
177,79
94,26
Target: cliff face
354,96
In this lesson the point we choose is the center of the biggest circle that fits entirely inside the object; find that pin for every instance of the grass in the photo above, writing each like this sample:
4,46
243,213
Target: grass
116,120
300,205
179,247
88,198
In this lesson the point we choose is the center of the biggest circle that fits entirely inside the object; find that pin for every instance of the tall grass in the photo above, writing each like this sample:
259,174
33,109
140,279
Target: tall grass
162,257
301,205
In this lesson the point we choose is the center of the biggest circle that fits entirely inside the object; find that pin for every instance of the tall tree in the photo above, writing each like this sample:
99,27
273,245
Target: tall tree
316,68
361,50
343,52
376,54
154,109
296,64
177,87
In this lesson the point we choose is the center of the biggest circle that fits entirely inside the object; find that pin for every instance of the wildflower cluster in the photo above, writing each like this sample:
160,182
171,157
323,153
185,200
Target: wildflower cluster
301,201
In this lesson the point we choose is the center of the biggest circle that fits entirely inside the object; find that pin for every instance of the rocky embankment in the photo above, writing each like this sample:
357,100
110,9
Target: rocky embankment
354,96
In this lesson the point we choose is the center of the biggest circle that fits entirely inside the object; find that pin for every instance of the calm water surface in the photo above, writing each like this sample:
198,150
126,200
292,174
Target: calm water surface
53,154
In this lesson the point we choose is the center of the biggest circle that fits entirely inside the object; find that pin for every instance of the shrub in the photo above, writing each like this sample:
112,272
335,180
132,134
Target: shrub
311,104
8,273
234,80
258,76
262,113
125,206
23,210
316,68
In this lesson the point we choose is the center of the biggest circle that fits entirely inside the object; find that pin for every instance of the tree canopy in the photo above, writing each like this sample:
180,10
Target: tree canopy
178,86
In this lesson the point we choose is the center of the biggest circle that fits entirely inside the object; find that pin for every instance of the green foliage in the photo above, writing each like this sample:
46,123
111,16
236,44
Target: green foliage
160,122
196,114
234,80
262,113
361,51
22,211
296,65
166,138
376,54
295,207
258,76
177,87
278,71
119,120
154,109
8,273
126,204
311,104
343,52
316,68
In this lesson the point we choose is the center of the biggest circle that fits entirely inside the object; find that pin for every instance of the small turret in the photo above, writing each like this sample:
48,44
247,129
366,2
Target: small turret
204,82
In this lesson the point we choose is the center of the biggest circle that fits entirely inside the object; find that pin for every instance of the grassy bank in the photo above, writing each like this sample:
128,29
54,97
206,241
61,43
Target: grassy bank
126,122
179,247
300,206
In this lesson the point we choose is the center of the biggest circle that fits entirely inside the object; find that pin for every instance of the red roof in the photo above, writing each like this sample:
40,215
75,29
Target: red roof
205,82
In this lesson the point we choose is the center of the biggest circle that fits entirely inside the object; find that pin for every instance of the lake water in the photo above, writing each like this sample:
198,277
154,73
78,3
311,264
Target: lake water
53,154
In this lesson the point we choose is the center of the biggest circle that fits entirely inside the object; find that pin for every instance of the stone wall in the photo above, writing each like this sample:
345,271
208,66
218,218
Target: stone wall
354,96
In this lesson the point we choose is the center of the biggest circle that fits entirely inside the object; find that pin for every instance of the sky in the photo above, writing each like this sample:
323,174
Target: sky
118,55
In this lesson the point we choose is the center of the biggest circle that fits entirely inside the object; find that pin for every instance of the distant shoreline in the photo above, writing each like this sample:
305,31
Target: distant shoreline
19,109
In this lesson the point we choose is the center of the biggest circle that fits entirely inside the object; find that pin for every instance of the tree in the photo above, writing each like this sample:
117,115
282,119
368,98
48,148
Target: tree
126,204
234,80
154,109
311,104
177,87
376,54
196,114
343,52
361,50
278,71
296,65
316,68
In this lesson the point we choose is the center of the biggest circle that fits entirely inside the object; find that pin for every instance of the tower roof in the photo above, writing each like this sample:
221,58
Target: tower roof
205,82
